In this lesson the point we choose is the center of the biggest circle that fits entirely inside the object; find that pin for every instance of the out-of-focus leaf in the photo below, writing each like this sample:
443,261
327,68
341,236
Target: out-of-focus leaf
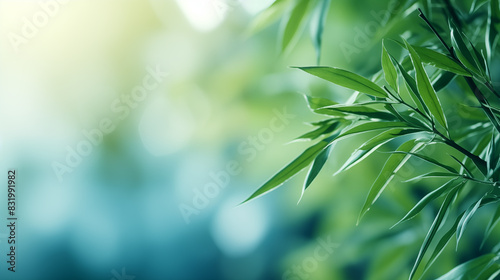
390,73
392,165
317,26
301,162
268,16
425,88
440,218
470,269
346,79
294,23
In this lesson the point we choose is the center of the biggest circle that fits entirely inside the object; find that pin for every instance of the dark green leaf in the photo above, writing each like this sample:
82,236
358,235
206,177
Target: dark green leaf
470,269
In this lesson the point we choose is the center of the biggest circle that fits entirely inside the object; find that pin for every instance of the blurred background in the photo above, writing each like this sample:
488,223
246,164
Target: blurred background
137,127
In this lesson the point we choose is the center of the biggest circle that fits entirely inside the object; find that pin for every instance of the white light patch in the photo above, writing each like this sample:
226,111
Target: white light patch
238,230
204,15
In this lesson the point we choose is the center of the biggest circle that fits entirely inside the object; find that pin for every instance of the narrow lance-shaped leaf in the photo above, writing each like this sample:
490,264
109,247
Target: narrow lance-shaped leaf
390,73
491,27
372,145
466,218
301,162
425,88
433,229
267,16
392,165
411,85
360,110
370,126
294,23
346,79
317,26
461,50
317,165
424,201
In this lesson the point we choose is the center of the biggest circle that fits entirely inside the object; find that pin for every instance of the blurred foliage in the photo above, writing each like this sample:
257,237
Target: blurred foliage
431,101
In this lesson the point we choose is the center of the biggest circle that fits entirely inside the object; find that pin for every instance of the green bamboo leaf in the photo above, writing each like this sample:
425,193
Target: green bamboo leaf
431,160
301,162
425,88
392,165
440,218
372,145
294,23
267,16
411,85
492,27
445,239
441,61
462,225
461,50
470,269
432,175
428,198
346,79
491,225
371,126
317,165
390,73
360,110
325,128
317,26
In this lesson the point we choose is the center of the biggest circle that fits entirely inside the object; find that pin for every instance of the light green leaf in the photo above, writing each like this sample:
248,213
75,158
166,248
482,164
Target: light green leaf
268,16
301,162
317,26
440,61
346,79
294,23
392,165
461,50
433,161
425,88
390,73
411,85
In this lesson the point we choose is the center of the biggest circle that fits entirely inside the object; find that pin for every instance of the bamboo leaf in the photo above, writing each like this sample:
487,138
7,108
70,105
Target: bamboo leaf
392,165
301,162
425,88
426,199
317,26
440,217
294,23
390,73
346,79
